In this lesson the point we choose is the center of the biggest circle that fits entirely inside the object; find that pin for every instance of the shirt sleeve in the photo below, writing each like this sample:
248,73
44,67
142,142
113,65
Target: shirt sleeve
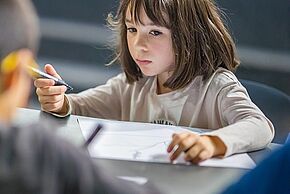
103,101
246,128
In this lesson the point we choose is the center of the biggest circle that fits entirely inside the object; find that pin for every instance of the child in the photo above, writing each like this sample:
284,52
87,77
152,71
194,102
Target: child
32,159
178,59
19,43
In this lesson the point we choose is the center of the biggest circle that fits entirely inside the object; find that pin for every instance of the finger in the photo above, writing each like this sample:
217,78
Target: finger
203,155
52,107
51,71
176,153
176,138
193,152
50,99
41,82
189,142
52,90
184,145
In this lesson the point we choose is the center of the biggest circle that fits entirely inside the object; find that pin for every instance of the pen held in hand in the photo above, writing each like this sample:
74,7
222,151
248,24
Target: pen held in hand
45,75
93,135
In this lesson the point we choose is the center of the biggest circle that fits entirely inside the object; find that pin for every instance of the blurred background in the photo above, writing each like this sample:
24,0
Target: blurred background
75,40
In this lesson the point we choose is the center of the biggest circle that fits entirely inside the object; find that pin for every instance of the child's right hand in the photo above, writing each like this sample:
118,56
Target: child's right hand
51,97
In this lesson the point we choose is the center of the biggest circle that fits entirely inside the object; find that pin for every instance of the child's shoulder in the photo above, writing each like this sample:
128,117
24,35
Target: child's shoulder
222,78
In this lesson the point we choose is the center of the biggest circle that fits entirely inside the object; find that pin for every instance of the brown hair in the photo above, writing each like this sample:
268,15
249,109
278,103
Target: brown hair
200,39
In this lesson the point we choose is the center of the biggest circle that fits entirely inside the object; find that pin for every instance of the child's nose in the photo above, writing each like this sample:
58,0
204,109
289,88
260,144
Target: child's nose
141,42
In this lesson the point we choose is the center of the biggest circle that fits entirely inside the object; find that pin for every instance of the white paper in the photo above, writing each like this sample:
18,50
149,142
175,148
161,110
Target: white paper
145,142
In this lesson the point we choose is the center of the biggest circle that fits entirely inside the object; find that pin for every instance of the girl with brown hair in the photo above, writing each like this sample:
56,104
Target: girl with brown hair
178,58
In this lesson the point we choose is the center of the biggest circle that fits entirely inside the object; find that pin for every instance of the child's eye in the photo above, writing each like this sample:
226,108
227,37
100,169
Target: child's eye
155,33
131,30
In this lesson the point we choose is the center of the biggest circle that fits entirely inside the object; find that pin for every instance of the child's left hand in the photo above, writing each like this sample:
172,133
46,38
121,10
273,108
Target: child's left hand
197,148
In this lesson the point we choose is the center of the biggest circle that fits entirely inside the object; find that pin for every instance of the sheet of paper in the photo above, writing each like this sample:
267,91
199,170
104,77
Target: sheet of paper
144,142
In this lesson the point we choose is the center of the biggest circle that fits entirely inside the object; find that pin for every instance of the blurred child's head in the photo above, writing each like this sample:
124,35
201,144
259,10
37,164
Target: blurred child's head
18,44
200,43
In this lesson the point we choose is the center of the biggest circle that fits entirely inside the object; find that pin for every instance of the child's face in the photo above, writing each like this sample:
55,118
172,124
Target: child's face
150,45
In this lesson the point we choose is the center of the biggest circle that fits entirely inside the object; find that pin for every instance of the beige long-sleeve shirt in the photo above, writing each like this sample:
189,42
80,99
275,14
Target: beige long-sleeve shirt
221,104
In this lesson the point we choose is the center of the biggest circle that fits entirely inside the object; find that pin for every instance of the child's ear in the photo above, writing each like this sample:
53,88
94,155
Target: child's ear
10,79
16,83
11,71
22,59
15,86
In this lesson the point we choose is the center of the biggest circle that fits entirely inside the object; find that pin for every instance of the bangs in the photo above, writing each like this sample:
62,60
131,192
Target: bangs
156,11
200,40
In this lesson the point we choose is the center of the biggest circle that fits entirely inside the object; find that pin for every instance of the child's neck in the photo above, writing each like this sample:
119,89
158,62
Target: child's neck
160,87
